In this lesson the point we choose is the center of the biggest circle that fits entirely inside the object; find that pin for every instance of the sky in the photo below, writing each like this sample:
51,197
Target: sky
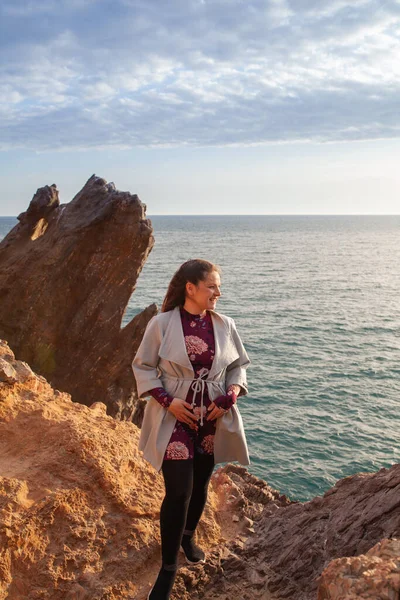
204,106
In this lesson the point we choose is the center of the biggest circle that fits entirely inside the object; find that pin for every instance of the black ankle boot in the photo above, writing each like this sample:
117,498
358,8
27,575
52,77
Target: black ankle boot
161,590
193,553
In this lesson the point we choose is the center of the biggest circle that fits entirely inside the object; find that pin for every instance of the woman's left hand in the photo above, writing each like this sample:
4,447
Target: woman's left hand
214,412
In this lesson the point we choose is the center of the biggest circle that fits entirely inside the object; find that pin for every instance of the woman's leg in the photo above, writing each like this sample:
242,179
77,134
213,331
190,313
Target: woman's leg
178,479
203,465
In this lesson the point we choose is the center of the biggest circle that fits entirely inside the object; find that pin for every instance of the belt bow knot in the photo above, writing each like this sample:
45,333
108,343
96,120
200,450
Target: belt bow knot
199,385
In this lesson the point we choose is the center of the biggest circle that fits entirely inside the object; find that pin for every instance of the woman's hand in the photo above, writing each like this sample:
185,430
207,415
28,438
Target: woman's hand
181,410
235,388
214,412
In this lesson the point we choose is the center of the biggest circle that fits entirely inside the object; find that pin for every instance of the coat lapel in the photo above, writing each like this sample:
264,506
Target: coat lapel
225,350
173,346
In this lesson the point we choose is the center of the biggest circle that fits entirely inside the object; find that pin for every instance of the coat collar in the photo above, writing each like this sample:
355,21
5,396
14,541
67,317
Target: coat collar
173,346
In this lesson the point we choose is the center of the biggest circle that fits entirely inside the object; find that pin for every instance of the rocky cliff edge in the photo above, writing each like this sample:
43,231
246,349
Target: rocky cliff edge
79,516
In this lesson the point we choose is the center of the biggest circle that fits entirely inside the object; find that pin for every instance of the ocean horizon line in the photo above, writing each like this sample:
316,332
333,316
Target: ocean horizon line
257,215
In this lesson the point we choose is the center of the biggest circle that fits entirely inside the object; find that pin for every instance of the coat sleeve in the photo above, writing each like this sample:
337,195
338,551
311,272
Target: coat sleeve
145,363
236,371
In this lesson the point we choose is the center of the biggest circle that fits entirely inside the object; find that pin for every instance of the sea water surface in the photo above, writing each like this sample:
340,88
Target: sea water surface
316,300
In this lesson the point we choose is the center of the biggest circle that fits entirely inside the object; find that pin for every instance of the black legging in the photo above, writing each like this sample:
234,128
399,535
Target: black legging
186,485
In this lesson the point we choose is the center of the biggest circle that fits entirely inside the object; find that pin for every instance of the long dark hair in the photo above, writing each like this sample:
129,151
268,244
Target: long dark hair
192,270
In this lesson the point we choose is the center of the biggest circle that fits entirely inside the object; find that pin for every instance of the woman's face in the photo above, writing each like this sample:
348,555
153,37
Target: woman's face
205,294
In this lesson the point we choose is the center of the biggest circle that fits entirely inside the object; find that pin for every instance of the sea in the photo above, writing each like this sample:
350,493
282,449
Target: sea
316,300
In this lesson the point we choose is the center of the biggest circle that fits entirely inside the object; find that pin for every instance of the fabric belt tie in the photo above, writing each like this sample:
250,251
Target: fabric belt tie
199,385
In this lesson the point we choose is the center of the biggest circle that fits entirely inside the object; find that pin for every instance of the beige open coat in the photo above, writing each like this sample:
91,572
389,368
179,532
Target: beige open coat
162,361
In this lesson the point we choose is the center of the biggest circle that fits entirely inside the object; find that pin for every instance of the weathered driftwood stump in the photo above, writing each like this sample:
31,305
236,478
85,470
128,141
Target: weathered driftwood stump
66,275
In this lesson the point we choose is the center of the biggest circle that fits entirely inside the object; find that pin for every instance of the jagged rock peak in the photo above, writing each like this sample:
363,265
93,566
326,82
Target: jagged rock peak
67,273
43,202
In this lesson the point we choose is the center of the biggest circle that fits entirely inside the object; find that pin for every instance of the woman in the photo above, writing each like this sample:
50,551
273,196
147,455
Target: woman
192,363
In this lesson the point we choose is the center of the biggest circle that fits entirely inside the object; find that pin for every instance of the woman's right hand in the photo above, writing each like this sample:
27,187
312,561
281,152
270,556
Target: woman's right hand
180,409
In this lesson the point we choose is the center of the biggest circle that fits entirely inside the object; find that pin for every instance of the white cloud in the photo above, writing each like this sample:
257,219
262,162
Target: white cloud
27,8
142,72
279,12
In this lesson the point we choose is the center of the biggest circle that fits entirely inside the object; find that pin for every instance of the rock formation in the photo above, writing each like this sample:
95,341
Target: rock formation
78,505
294,543
66,275
374,575
79,516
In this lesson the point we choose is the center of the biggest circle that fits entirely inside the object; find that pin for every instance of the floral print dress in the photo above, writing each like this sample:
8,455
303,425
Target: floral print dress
200,346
